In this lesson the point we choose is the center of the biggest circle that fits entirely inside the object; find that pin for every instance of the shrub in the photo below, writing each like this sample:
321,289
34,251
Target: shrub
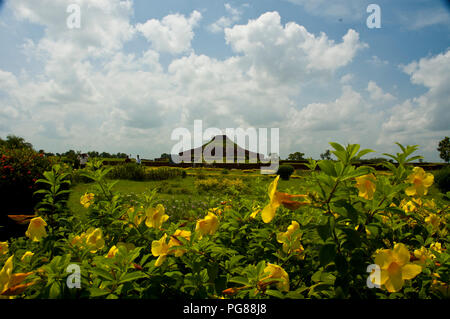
162,173
227,186
130,171
19,170
77,177
285,171
442,179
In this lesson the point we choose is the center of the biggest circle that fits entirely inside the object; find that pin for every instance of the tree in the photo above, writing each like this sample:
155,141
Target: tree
444,149
326,155
297,156
15,142
166,156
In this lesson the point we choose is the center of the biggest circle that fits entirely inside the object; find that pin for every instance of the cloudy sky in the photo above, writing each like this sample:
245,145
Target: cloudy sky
135,70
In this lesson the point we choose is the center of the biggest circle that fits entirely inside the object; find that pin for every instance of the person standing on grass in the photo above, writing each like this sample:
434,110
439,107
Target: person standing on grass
138,160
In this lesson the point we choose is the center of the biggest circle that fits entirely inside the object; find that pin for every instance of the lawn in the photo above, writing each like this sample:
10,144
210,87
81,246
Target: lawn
183,190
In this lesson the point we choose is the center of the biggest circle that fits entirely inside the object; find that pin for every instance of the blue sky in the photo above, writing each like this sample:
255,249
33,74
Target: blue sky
136,70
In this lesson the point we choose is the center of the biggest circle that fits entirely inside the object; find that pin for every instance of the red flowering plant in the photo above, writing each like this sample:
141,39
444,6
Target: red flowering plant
20,168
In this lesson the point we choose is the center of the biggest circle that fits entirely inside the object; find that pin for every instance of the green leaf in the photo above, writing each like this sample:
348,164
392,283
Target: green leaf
337,147
327,254
364,152
349,211
327,167
102,273
324,231
239,280
97,292
132,276
274,293
54,291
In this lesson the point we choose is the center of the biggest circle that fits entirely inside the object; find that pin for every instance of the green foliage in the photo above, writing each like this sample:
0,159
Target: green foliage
442,179
19,170
162,173
227,186
55,190
444,149
297,156
340,230
285,171
130,171
13,142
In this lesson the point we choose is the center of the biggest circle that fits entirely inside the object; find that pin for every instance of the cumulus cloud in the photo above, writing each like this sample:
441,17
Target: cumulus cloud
173,34
424,118
289,52
92,94
234,15
377,93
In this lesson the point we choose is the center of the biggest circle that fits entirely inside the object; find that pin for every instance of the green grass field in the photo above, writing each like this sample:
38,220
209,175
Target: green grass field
184,190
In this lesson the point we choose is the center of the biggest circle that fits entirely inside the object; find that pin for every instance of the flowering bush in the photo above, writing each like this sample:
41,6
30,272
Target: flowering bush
353,233
19,170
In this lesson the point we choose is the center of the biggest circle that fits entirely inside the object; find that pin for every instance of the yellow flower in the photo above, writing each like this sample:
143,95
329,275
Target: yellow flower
112,252
160,249
27,256
278,198
290,243
433,219
420,180
276,272
3,248
10,284
87,199
207,225
36,229
437,247
94,240
408,207
174,241
430,204
422,255
255,213
78,240
115,249
395,267
366,186
155,217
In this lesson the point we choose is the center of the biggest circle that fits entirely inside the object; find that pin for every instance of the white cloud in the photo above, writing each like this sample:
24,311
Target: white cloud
426,117
118,101
377,94
347,78
351,10
234,15
425,17
104,25
289,52
375,60
173,34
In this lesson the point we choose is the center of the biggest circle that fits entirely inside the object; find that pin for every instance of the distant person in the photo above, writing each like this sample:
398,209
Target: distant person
138,160
127,159
83,158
